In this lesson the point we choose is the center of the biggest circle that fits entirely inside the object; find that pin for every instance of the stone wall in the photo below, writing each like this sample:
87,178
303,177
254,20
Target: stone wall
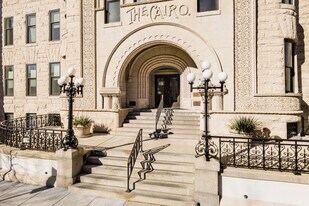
303,53
66,51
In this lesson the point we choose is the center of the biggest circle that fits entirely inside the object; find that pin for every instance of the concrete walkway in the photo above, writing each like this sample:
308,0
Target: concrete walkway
12,193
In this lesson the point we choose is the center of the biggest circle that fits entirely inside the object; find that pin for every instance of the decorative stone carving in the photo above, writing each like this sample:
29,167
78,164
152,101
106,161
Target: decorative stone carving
89,99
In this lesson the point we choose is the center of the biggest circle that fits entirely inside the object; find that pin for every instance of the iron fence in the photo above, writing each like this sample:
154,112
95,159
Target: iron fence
266,154
29,133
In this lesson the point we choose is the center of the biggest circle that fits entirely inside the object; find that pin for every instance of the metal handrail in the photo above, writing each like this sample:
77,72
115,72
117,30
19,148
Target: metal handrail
28,133
261,153
137,147
158,113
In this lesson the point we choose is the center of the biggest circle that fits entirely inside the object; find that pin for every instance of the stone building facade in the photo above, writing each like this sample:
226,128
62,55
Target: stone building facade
126,50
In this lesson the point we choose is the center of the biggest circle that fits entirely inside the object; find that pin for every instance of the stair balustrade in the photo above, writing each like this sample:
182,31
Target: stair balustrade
137,147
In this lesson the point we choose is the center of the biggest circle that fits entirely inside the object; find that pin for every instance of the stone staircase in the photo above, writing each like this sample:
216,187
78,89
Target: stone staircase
171,182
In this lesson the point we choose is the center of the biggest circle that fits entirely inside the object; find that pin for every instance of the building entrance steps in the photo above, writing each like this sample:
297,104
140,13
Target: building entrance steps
172,180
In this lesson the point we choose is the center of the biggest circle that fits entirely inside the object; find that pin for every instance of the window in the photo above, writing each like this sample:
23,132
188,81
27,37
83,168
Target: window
54,25
288,1
8,116
54,76
139,0
31,28
8,33
207,5
112,12
9,81
289,66
31,80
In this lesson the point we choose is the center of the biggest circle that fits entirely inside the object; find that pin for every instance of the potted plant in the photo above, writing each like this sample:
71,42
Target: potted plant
82,125
244,125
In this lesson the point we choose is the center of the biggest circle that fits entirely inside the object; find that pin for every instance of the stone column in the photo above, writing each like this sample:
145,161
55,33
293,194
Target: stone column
107,102
207,182
69,164
115,103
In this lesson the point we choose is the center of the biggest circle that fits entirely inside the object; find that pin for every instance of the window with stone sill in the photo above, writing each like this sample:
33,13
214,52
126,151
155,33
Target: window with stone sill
31,28
54,76
289,55
31,80
8,31
54,27
112,11
9,81
207,5
288,2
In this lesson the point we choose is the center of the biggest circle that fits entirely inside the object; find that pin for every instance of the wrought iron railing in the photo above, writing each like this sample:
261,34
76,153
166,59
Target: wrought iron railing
29,133
266,154
158,113
137,147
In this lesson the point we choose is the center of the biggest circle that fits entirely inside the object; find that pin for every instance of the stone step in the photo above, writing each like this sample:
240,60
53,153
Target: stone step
162,175
160,156
138,196
146,185
150,130
165,156
184,118
132,134
159,165
173,126
184,146
174,122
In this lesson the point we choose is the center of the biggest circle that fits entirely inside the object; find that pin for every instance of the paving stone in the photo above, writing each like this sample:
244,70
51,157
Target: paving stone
107,202
76,200
47,197
20,194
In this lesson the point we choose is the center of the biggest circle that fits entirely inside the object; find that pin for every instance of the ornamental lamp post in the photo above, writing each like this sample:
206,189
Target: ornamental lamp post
202,148
70,88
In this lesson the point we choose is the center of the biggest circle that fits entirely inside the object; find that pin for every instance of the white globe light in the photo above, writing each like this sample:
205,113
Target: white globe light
66,79
206,65
71,71
222,76
61,81
81,81
207,74
76,82
190,77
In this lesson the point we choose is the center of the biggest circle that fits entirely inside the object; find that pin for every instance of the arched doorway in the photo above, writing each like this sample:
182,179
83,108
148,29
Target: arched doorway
155,71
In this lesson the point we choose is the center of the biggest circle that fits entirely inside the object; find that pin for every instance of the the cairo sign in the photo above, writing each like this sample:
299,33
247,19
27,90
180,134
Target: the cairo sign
157,12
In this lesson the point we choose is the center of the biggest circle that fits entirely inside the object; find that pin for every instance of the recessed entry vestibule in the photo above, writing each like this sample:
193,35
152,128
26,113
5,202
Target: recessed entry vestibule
155,71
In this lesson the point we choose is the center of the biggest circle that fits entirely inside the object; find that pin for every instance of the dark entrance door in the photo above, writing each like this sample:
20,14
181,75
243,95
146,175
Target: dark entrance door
169,87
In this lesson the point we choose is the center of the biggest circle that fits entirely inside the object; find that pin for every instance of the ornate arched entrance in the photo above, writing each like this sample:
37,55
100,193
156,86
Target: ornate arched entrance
156,70
131,70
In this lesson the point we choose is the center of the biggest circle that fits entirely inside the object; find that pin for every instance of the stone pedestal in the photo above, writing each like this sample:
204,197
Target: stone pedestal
207,182
69,164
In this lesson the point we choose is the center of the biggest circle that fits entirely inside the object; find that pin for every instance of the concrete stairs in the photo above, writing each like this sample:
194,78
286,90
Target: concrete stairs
172,180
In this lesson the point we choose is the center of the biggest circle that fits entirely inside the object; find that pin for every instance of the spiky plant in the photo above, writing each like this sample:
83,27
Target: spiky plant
245,125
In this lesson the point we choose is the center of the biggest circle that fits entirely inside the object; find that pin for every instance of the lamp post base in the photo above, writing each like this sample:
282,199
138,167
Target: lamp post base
69,142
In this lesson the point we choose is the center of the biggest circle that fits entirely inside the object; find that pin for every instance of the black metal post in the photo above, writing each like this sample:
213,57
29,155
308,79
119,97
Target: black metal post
203,145
206,82
70,141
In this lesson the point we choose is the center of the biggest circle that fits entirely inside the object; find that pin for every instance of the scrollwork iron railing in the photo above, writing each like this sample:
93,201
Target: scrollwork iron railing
29,133
137,147
266,154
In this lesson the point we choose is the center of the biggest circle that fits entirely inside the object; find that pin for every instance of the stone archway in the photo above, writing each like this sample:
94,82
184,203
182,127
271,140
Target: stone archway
119,63
138,79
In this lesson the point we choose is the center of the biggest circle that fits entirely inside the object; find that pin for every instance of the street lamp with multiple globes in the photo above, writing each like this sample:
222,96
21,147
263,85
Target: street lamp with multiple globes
202,147
70,88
